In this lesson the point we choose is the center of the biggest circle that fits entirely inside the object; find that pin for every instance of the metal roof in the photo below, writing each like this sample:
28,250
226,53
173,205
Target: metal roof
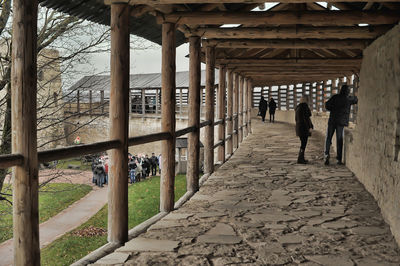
136,81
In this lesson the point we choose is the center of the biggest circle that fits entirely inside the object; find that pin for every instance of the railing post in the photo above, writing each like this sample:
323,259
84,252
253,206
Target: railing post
24,132
323,89
245,105
119,124
102,101
280,97
240,114
90,102
221,112
143,96
268,93
78,102
287,97
157,101
249,104
229,143
209,130
168,103
192,175
236,109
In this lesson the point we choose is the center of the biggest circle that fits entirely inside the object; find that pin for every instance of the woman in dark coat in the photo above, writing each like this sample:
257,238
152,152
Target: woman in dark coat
304,126
262,108
272,107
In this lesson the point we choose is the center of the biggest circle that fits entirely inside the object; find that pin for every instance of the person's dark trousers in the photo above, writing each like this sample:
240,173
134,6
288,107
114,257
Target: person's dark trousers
303,141
271,118
339,140
263,117
153,169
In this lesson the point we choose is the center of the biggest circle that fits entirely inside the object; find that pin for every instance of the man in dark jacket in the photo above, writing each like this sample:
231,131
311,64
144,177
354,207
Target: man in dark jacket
262,108
154,163
339,107
272,108
303,126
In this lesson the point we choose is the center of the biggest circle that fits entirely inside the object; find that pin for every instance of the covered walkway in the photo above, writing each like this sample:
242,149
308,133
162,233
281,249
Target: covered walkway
261,208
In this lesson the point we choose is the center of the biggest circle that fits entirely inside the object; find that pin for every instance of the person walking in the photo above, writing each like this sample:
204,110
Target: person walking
272,108
304,126
339,107
262,108
153,163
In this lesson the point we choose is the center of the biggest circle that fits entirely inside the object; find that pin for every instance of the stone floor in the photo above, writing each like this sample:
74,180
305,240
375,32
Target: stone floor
261,208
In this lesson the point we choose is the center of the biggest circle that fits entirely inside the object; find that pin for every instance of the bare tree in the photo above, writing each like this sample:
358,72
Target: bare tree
63,43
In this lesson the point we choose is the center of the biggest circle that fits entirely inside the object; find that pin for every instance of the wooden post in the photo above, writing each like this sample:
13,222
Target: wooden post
245,104
240,114
78,102
249,104
168,103
192,175
279,97
268,93
236,109
229,142
221,112
323,96
143,95
90,103
102,101
209,130
24,132
119,124
180,103
287,97
294,96
157,102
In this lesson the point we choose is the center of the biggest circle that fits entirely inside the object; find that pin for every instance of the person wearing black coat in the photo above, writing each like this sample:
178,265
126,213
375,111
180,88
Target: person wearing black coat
262,108
272,108
304,126
339,106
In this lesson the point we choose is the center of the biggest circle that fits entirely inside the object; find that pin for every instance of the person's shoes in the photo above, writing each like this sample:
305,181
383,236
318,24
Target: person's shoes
339,162
326,160
301,159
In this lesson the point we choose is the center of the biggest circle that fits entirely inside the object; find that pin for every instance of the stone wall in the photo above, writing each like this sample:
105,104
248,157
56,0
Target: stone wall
372,148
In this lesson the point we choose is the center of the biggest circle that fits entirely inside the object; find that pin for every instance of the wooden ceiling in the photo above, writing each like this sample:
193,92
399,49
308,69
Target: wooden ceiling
292,41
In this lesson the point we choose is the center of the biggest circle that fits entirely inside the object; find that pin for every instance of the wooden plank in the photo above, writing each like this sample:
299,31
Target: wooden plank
229,144
139,140
289,43
286,32
221,112
209,130
245,109
168,103
119,125
316,18
24,133
193,171
206,123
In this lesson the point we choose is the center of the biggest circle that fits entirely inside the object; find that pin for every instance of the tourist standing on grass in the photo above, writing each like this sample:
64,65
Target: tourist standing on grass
339,107
272,108
304,126
154,162
262,108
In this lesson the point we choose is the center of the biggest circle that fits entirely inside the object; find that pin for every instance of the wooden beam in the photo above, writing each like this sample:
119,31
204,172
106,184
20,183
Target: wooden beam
236,109
24,133
168,103
193,171
289,44
300,61
209,130
316,18
301,72
285,32
229,143
249,104
119,125
292,68
245,102
221,112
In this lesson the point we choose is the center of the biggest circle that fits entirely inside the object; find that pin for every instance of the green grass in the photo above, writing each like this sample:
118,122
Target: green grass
144,200
53,198
63,164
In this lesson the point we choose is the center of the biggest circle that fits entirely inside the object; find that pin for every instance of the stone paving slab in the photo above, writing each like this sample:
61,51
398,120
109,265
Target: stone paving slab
261,208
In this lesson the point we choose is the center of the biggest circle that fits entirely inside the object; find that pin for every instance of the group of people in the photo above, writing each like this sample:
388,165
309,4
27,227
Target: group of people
263,107
339,107
139,167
